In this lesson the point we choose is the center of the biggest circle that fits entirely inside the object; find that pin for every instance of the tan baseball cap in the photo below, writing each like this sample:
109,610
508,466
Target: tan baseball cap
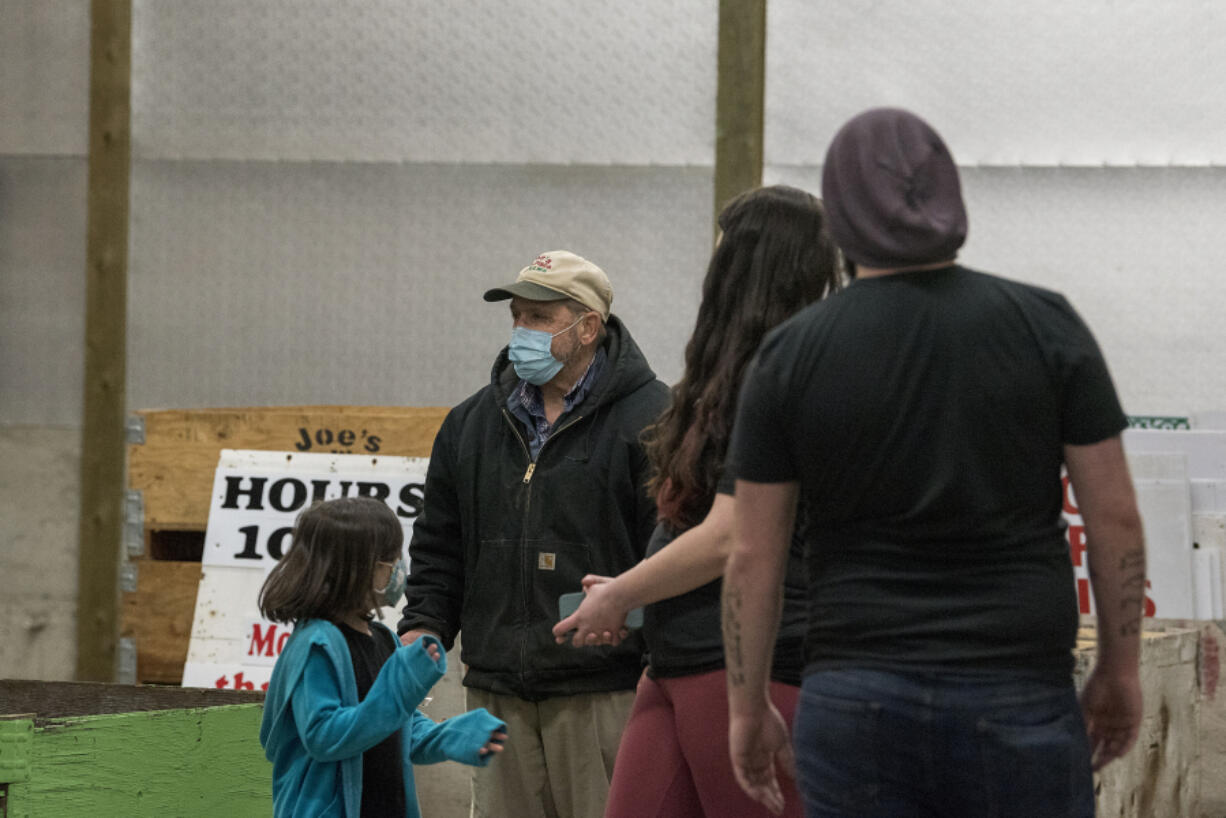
560,274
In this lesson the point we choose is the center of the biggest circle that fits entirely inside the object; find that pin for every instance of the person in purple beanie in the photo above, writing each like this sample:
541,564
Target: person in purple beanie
921,416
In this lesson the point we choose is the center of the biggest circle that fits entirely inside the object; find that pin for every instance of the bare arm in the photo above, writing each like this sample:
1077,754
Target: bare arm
695,558
758,737
1115,551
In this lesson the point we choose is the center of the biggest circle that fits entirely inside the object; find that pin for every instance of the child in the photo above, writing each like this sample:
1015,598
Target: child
340,725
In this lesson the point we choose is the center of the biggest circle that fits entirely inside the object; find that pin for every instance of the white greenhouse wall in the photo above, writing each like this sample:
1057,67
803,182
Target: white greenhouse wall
44,106
1089,140
321,193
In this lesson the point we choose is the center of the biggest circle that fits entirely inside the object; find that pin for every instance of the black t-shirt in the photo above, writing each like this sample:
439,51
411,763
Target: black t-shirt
683,632
382,773
924,416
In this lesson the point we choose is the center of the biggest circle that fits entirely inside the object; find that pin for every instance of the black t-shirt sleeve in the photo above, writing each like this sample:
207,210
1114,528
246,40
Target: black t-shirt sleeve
760,451
1090,409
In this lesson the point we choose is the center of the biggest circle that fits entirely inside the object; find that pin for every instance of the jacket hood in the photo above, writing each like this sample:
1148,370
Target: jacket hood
627,369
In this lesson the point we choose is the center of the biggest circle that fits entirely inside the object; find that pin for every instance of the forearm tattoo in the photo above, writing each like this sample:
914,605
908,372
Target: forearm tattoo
1132,568
731,624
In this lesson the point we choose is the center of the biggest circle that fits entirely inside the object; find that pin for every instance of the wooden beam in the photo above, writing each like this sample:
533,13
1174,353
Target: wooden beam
102,441
739,98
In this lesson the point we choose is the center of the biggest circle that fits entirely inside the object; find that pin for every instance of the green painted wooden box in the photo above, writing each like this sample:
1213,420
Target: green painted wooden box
83,749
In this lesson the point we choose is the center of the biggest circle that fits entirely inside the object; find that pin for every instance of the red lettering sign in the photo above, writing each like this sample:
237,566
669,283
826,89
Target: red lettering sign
1076,543
267,642
262,641
238,683
1083,595
1070,499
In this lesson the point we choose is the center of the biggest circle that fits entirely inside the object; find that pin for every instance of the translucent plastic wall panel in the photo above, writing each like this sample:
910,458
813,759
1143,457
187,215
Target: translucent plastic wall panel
42,290
276,283
44,76
553,81
1038,83
1139,253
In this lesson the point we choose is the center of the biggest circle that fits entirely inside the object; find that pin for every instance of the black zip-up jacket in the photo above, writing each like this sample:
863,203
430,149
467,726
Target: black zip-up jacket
500,538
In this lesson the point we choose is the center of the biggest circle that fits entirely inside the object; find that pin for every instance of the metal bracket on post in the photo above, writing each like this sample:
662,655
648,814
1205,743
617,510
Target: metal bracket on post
128,576
134,429
125,671
134,523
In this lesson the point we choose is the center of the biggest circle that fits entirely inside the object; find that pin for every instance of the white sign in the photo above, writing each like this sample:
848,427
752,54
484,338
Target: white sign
1161,486
256,497
1202,453
1180,481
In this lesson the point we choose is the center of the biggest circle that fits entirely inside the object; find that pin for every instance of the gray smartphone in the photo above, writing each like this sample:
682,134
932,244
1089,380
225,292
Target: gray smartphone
569,603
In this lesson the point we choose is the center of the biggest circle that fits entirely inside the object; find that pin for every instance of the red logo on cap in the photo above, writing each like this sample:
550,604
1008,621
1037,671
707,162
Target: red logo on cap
543,261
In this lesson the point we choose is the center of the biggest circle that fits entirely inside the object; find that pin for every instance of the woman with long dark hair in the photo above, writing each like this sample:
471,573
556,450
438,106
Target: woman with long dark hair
772,259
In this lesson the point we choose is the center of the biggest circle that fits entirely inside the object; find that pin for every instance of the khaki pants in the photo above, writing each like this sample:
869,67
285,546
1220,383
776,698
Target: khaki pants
559,755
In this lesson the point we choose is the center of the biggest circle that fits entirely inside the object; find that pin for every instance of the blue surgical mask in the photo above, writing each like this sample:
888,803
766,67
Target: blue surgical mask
531,352
389,594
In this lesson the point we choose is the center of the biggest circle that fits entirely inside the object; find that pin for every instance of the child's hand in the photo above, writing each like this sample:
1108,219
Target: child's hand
409,637
432,650
494,745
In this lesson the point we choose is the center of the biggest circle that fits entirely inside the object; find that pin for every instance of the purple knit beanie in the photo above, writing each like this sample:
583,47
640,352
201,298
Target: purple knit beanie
891,191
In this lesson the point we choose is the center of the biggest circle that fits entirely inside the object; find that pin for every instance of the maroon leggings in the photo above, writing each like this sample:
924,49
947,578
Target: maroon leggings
673,759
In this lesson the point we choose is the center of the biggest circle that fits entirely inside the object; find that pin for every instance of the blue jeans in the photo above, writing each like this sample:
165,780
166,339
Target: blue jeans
896,745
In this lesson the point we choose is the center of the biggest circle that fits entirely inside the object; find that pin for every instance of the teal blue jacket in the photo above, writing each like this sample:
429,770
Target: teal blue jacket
314,730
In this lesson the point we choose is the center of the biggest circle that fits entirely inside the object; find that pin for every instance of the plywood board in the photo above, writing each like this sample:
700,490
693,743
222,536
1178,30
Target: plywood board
202,761
174,467
157,616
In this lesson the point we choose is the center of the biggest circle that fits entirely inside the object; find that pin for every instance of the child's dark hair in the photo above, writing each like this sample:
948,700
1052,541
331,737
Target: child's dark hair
329,570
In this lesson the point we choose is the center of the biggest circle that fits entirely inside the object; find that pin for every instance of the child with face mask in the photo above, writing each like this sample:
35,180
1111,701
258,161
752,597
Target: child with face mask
341,725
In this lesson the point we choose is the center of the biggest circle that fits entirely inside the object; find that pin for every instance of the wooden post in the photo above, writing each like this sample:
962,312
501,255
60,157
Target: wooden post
739,98
102,442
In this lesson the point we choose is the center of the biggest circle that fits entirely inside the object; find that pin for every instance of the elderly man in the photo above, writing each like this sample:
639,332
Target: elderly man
919,419
535,481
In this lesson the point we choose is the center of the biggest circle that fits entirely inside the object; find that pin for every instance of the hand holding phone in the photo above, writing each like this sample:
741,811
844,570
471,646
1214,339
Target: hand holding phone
569,603
601,623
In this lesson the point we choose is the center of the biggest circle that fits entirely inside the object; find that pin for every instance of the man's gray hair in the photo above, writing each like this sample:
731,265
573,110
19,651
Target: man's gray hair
577,309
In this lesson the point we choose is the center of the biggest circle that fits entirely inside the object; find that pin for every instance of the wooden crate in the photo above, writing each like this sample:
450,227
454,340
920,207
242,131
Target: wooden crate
84,749
1161,776
173,471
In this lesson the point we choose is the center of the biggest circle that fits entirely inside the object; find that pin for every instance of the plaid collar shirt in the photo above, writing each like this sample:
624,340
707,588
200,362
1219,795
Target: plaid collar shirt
528,404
